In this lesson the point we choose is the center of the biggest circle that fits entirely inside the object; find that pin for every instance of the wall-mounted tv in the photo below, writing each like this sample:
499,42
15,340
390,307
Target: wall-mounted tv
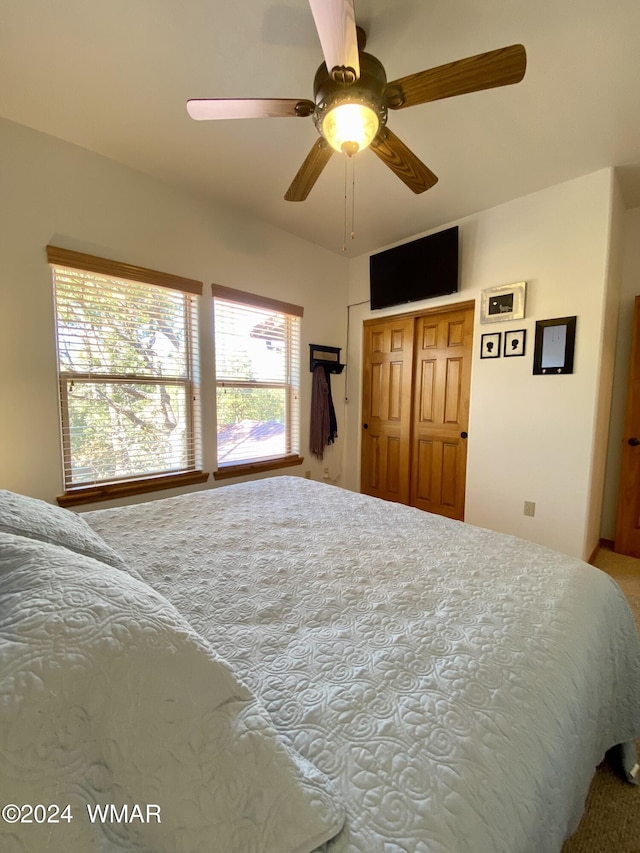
417,270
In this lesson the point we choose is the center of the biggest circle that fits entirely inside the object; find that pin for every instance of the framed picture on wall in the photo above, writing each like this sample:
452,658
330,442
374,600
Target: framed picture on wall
490,345
514,343
554,346
503,303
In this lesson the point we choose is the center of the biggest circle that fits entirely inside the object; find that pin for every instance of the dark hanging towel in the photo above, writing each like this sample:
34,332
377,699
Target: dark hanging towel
324,426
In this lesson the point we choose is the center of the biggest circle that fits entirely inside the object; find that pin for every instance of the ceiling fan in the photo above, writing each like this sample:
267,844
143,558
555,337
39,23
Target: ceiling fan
352,98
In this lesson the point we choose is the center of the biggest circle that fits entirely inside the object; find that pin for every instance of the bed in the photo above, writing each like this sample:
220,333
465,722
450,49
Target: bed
285,666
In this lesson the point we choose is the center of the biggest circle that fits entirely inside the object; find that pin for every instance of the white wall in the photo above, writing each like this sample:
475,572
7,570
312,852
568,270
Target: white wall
52,192
606,372
530,437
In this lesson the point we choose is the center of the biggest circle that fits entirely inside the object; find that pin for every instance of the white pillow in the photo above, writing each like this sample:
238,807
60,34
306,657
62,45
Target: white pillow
45,522
108,696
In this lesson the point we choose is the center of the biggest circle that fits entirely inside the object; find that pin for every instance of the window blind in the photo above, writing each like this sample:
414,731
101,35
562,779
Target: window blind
257,351
128,376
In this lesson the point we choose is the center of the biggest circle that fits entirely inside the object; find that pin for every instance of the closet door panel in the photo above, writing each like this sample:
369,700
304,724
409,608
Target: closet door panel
386,408
441,411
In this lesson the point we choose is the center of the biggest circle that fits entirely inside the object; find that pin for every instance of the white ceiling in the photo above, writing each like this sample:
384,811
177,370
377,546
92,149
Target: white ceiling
113,76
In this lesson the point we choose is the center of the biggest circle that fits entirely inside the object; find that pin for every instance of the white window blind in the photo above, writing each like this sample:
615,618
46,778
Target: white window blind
128,375
257,347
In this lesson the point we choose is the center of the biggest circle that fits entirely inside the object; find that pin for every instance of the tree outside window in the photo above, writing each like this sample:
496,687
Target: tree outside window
127,368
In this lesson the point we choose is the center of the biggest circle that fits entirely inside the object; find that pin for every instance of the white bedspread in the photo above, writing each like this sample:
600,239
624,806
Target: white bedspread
459,686
108,698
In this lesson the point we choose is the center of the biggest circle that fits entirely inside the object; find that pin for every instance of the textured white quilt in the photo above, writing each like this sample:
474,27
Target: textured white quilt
109,698
458,686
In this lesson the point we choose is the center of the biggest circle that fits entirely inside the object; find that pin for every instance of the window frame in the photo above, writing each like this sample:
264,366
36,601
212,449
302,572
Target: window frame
252,300
151,481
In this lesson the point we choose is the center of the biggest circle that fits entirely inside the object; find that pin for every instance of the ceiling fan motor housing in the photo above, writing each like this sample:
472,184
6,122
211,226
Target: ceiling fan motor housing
367,90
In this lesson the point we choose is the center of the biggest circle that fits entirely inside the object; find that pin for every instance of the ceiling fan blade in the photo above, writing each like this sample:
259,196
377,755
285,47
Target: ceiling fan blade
402,161
310,171
484,71
202,109
336,25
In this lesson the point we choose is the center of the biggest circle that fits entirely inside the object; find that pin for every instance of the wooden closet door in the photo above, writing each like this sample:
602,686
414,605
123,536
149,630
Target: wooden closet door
628,520
386,408
442,377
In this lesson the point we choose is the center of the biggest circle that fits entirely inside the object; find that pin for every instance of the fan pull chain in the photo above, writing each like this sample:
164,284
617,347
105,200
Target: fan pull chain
349,159
344,231
353,198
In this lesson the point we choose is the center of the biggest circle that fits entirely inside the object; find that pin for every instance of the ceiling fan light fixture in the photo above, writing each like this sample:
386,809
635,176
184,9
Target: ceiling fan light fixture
349,126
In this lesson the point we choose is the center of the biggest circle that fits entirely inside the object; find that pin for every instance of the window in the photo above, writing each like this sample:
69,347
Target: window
257,346
128,377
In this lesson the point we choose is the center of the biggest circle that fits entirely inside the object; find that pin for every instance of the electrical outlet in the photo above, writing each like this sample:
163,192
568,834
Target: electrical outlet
307,475
325,473
529,508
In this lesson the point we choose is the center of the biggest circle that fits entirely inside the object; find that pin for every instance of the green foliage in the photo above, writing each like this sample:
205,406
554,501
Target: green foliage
120,430
122,331
256,404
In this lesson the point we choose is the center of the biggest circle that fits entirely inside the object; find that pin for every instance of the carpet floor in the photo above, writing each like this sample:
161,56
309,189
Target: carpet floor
611,822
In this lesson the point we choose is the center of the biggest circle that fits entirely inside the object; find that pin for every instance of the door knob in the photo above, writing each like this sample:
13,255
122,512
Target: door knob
464,434
365,426
634,442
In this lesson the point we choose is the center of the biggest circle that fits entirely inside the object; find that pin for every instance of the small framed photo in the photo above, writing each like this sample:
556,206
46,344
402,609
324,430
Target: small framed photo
514,342
503,303
554,346
490,345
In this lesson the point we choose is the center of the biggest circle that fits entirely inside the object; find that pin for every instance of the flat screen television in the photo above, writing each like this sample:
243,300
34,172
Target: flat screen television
417,270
